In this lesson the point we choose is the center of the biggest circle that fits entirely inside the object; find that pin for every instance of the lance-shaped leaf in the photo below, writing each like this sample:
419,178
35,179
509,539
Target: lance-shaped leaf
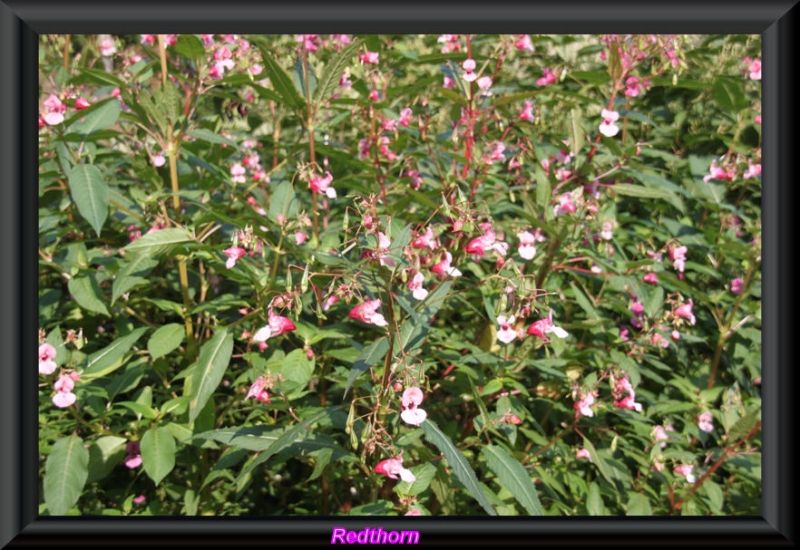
513,476
208,371
90,193
132,274
159,242
334,68
281,82
166,339
65,475
283,201
105,361
98,116
158,453
369,356
458,464
87,293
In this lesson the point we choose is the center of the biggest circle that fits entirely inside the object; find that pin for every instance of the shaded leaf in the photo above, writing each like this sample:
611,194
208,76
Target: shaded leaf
105,361
513,476
207,372
66,471
90,193
158,453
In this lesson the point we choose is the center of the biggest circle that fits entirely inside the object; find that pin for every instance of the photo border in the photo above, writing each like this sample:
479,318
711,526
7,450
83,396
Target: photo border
22,21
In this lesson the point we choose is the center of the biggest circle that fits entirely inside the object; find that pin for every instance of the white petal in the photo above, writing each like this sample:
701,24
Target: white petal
558,331
378,319
406,475
415,417
420,293
263,334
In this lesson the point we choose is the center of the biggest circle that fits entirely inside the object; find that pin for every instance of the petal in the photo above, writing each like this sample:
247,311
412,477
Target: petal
262,334
407,476
415,417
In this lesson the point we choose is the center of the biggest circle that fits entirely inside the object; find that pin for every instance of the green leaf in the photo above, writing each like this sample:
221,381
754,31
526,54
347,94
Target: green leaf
744,425
368,357
452,96
87,293
207,373
158,453
90,193
598,461
104,454
98,116
638,505
66,471
190,46
424,474
298,431
165,339
458,464
329,80
283,201
212,137
642,192
299,78
280,81
655,301
729,93
577,134
513,476
543,191
133,273
158,242
97,76
105,361
584,302
594,501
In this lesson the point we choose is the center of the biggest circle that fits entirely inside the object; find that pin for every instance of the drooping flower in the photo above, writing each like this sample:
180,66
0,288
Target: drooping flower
678,257
369,58
367,312
545,326
717,173
404,114
55,110
443,268
736,285
234,253
258,391
584,405
412,414
383,245
237,173
685,311
523,42
133,458
660,436
322,184
609,127
624,394
81,104
300,237
276,326
686,471
583,453
46,355
527,242
650,278
565,205
393,467
527,113
705,422
64,386
487,241
506,334
484,83
427,239
415,286
469,70
548,77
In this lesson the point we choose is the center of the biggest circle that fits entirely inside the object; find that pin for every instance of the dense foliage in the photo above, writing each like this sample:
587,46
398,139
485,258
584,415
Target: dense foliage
386,275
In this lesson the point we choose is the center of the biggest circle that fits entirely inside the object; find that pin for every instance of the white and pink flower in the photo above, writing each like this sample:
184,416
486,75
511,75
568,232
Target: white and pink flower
367,312
276,326
543,327
609,126
412,414
46,355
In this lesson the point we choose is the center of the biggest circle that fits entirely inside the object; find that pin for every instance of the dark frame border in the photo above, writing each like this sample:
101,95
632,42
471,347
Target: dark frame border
22,21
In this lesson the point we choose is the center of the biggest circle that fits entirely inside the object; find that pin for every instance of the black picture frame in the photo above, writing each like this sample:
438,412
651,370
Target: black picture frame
22,21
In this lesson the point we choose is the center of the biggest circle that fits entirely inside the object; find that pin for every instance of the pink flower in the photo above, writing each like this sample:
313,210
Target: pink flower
496,153
678,257
619,388
300,237
233,253
139,500
717,173
469,68
545,326
607,231
660,436
754,67
237,173
369,57
107,47
46,355
412,414
650,278
565,205
368,313
404,114
685,311
583,453
258,392
149,39
686,471
415,285
81,104
526,248
392,467
449,83
736,285
54,110
276,326
637,308
705,422
484,83
159,160
443,268
608,127
64,386
527,112
487,241
322,185
548,77
506,334
427,239
133,459
753,171
523,42
584,405
383,244
414,512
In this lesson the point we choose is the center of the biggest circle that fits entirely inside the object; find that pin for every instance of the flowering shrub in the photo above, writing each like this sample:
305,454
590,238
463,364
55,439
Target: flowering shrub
421,275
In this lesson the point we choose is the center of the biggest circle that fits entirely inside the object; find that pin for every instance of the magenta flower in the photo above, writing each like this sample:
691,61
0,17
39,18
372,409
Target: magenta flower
753,170
322,185
300,237
583,453
619,388
443,268
545,326
584,405
233,253
736,285
565,205
548,77
368,313
258,392
650,278
393,467
717,173
487,241
277,325
415,286
369,58
133,459
427,239
753,67
686,471
412,414
685,311
523,43
705,422
81,104
637,308
46,355
404,114
506,334
527,113
609,127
